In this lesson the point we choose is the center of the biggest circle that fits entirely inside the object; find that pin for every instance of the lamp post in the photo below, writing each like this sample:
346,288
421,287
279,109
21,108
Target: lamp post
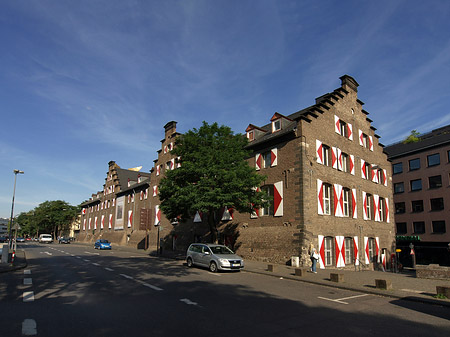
16,172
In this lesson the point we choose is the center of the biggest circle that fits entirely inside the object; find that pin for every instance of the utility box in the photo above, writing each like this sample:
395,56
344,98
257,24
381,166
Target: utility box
295,261
5,253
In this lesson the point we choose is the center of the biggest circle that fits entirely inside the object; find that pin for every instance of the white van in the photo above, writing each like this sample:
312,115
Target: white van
45,238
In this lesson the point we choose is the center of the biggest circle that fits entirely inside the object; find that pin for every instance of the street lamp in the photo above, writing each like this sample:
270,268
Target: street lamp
16,172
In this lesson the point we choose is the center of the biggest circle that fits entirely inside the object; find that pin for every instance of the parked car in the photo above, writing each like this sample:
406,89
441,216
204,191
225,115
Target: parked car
20,240
64,240
212,256
3,239
45,238
102,244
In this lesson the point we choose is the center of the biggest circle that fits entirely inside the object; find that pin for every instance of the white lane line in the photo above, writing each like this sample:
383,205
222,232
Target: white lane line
78,257
356,296
214,274
86,260
27,271
127,276
340,300
95,264
28,296
48,253
188,301
109,269
92,253
145,284
27,281
29,327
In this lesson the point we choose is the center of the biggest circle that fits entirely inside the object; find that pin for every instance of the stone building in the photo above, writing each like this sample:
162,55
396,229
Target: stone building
421,180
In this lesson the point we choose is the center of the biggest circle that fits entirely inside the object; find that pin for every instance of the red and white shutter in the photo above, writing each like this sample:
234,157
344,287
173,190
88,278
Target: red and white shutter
146,194
352,164
376,207
89,224
278,199
110,221
339,244
377,247
83,211
155,190
385,177
340,165
255,213
337,124
273,157
158,170
102,223
95,222
364,198
198,217
338,200
157,215
375,173
130,218
113,202
350,131
363,169
319,197
165,149
361,138
321,251
141,195
366,251
172,164
319,151
356,250
258,161
84,224
334,158
354,204
370,143
178,162
386,209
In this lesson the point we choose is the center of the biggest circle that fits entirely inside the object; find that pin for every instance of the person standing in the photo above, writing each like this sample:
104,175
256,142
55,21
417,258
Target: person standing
314,258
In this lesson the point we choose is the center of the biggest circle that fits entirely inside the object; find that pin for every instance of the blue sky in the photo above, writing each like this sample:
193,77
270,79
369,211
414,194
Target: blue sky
86,82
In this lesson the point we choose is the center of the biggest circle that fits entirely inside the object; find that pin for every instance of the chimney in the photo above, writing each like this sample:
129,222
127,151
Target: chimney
170,128
349,83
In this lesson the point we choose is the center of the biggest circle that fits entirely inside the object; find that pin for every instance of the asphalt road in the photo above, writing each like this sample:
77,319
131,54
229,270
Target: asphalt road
74,290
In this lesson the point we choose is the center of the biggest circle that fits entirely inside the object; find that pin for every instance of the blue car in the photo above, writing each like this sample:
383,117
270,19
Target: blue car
102,244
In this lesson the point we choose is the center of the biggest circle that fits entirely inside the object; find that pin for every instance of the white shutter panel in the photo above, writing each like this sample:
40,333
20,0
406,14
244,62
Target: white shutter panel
350,131
376,205
366,251
110,221
321,250
339,159
102,223
157,215
377,246
337,126
356,250
334,157
363,169
386,209
130,218
340,251
278,199
371,143
354,204
361,140
352,164
319,197
364,206
375,174
319,151
273,157
258,161
385,183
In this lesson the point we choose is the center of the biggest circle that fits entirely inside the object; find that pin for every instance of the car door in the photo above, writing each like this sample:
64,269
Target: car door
205,256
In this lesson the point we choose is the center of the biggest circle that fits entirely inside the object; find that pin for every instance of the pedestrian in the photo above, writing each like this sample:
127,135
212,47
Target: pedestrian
314,258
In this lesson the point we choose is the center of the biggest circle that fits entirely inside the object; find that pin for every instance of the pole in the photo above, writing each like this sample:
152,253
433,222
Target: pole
12,207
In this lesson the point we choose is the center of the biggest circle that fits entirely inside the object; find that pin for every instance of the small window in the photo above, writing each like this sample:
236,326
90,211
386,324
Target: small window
369,206
326,155
397,168
417,206
401,227
329,251
366,141
435,181
276,125
438,226
419,227
346,202
268,210
267,159
250,135
368,171
381,210
400,208
399,188
437,204
433,159
414,164
349,258
416,185
343,128
326,199
345,162
380,176
372,249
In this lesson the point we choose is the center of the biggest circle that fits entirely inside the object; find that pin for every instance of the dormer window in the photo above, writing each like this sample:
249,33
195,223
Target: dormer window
276,125
250,135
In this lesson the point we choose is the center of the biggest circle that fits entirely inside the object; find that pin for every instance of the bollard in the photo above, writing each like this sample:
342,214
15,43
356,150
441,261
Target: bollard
383,284
299,272
338,278
443,291
270,267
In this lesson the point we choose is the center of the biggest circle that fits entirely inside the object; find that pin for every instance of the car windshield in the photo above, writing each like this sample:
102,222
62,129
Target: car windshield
221,250
103,241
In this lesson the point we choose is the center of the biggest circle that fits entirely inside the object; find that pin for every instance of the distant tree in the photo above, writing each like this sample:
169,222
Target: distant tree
214,174
28,224
414,137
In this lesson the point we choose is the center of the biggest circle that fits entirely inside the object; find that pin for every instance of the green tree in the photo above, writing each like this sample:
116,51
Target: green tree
213,174
414,137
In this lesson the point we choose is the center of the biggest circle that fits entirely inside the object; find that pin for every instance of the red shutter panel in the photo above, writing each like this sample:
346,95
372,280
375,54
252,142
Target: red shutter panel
350,131
274,157
354,205
319,197
352,164
278,199
258,161
319,151
334,157
337,125
363,169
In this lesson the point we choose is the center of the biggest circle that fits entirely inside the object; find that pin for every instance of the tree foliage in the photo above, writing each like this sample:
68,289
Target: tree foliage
49,217
414,137
213,174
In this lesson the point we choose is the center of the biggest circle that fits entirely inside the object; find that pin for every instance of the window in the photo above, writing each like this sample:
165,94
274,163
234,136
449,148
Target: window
435,181
326,199
267,159
397,168
380,176
414,164
276,125
268,210
437,204
365,141
349,251
400,208
433,159
401,227
369,206
343,129
368,171
250,135
372,249
381,210
345,161
329,251
399,187
416,185
438,226
417,206
419,227
326,155
346,202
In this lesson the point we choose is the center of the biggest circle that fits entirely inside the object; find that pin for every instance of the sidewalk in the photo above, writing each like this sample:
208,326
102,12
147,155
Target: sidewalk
20,262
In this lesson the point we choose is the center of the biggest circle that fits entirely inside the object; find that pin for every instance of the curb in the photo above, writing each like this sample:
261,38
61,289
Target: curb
20,265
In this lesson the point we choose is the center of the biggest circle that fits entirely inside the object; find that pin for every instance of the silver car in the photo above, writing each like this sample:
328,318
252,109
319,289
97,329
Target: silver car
214,257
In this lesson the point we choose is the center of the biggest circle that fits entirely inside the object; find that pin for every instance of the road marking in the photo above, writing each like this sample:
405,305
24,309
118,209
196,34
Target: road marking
109,269
92,253
145,284
78,257
126,276
29,327
27,281
28,296
214,274
187,301
27,271
340,300
95,264
86,260
48,253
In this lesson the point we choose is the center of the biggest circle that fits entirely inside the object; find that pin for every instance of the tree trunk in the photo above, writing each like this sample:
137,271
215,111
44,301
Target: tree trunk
212,225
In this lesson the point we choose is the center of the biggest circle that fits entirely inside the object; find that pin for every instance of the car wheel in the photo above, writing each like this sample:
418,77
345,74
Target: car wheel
213,267
189,262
